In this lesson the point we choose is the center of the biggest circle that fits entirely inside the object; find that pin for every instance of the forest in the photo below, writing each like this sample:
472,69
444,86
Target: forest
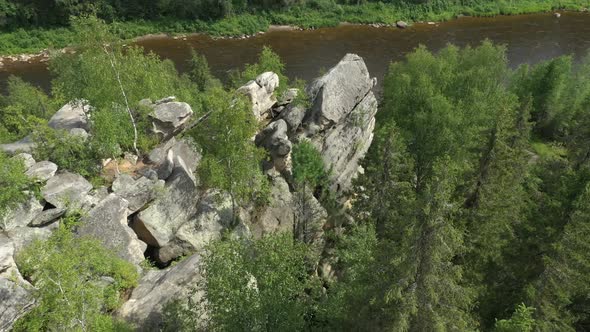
472,213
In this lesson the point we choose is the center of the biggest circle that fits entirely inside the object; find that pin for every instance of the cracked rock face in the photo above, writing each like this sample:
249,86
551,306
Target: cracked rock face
15,292
339,123
107,222
138,193
22,214
157,224
275,140
337,93
156,288
279,214
341,120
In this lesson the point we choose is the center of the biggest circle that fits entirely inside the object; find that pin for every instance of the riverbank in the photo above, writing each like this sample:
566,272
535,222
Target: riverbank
21,45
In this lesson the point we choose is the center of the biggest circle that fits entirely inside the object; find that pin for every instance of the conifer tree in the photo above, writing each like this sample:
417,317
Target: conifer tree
561,293
420,285
496,203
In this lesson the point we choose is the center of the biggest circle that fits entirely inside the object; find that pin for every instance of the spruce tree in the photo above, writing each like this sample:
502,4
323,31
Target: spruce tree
418,285
562,292
494,206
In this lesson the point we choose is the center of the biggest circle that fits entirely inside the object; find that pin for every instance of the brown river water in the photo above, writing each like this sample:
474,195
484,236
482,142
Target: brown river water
529,39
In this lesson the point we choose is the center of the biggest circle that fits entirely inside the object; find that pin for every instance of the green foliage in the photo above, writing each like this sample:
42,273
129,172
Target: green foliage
199,72
68,152
420,287
20,108
495,205
443,103
560,93
251,286
308,165
231,161
560,292
467,208
13,182
355,301
70,286
521,321
98,74
267,61
448,203
302,99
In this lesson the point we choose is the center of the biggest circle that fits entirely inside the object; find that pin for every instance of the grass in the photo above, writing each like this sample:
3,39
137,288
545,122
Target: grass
318,13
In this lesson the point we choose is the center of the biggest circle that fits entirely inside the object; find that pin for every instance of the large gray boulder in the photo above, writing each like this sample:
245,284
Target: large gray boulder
309,220
185,154
173,154
107,222
214,215
70,116
177,203
260,92
275,140
15,292
337,93
293,116
24,145
161,159
159,153
22,214
157,288
6,253
66,190
347,143
341,120
27,160
278,215
42,171
23,236
80,133
46,217
137,192
170,117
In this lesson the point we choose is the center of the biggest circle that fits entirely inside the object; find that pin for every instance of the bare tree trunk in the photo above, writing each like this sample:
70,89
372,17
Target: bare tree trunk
113,62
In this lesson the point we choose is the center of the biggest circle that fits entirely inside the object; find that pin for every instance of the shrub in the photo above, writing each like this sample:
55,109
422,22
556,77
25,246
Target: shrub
308,165
77,283
113,79
267,61
302,98
13,182
199,72
521,321
20,108
68,152
231,161
252,286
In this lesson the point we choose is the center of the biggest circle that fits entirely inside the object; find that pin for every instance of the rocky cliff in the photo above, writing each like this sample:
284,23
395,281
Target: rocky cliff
157,208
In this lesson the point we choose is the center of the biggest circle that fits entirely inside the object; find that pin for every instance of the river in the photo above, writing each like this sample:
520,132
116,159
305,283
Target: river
529,39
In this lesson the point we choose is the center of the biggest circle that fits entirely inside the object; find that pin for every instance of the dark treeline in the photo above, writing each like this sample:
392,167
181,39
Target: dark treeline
26,13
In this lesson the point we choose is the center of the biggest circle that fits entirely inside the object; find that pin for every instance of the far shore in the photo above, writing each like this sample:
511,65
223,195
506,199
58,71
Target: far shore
45,54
